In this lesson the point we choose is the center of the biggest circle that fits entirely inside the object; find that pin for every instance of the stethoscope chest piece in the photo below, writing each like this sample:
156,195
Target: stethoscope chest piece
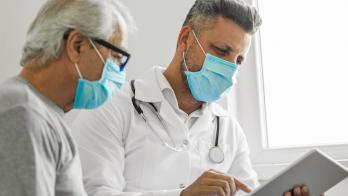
216,155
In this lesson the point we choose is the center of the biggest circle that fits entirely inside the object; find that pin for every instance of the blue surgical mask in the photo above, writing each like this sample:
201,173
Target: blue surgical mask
214,80
92,94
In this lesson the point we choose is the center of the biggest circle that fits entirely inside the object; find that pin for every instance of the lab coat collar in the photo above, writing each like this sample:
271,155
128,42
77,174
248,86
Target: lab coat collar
147,89
217,110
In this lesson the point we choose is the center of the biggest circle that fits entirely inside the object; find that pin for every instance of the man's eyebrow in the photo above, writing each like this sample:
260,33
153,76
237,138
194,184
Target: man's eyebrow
225,47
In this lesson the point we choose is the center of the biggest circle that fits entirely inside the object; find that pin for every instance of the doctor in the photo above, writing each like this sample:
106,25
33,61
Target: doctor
164,135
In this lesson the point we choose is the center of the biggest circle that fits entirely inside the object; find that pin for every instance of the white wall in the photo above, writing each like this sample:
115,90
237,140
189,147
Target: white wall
15,18
158,22
154,43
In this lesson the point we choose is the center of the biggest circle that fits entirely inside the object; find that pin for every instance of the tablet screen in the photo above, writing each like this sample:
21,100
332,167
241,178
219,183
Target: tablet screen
315,169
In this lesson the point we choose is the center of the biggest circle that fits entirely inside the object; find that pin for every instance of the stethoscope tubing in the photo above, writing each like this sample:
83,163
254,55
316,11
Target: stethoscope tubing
216,154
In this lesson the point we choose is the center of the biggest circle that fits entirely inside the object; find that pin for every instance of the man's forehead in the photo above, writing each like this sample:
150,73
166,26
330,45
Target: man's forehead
225,30
233,41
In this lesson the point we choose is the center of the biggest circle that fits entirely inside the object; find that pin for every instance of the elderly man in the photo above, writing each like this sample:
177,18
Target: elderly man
72,59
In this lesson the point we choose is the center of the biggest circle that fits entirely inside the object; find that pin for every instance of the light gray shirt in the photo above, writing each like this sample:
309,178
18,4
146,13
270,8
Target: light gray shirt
38,156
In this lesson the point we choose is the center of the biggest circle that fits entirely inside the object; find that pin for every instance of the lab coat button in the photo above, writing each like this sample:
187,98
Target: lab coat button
181,186
185,142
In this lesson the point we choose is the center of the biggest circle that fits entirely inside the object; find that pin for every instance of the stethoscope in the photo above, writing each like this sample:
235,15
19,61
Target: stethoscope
216,155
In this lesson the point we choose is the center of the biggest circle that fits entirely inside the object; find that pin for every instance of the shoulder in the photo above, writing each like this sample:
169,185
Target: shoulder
22,111
19,117
18,127
12,92
25,128
16,94
110,119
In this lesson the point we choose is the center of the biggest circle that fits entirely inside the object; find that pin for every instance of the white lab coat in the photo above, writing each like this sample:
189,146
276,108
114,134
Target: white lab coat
121,155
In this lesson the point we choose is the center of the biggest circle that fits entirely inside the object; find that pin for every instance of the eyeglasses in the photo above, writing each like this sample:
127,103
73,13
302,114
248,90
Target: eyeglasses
117,53
121,56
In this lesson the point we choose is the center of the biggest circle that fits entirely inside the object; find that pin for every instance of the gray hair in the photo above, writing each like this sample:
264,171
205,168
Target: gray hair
205,12
93,18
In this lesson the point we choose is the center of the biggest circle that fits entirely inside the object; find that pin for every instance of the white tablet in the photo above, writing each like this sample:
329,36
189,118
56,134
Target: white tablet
315,169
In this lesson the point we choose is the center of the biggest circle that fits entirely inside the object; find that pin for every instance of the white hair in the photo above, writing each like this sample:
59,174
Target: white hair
93,18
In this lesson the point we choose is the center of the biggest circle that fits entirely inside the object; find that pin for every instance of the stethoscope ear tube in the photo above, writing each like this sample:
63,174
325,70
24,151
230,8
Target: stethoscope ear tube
135,105
217,131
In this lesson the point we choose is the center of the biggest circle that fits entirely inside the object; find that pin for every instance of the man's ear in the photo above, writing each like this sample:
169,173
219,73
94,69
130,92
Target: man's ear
184,38
74,45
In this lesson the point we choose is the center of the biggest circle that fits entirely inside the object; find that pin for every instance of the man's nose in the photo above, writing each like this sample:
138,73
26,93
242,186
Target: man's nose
233,58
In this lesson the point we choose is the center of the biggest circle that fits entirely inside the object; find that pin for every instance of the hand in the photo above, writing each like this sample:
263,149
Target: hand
215,183
299,191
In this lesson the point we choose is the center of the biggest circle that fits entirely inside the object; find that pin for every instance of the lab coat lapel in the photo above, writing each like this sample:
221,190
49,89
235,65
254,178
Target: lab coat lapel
177,127
206,121
203,123
148,90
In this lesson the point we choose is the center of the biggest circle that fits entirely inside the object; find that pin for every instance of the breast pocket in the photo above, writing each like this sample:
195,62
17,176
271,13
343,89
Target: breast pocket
206,163
163,168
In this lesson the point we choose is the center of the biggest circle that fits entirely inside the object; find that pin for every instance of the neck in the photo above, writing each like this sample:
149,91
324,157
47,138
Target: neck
183,95
53,82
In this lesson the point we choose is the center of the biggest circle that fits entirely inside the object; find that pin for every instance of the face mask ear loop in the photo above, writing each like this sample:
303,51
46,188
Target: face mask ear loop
194,34
183,57
96,49
78,71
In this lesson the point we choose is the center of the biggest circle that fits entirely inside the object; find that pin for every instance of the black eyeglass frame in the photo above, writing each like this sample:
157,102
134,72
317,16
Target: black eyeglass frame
109,46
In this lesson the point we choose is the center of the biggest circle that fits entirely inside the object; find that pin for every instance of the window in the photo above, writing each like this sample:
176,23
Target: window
292,94
305,66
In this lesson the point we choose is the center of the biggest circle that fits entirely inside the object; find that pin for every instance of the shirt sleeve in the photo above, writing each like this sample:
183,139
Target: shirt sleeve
241,167
99,135
27,158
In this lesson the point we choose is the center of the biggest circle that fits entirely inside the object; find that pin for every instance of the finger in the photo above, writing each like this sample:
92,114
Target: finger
217,182
213,175
213,190
242,186
322,194
216,171
234,183
305,191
